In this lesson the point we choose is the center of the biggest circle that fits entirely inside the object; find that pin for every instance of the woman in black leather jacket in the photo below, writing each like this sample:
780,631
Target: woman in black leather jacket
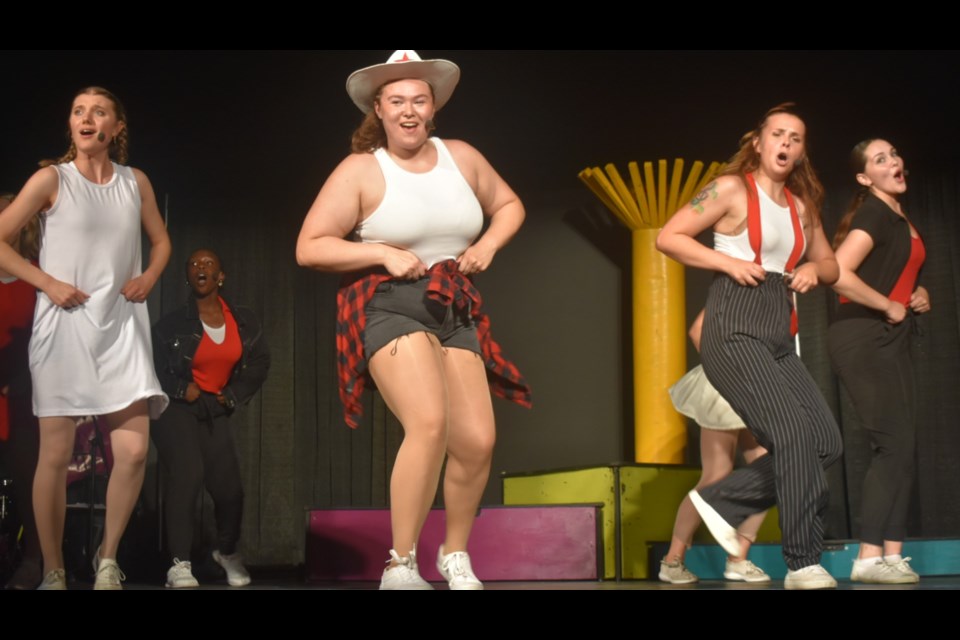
211,357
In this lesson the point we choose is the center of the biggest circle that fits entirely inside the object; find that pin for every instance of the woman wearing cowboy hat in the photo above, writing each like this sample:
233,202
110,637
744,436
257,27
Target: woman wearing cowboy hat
403,216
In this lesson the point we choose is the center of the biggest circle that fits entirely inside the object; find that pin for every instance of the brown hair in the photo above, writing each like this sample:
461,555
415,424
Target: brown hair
371,135
27,242
858,162
30,238
118,146
802,181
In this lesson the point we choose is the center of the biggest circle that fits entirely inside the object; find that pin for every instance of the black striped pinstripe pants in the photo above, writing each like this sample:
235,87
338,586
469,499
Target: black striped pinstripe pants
749,355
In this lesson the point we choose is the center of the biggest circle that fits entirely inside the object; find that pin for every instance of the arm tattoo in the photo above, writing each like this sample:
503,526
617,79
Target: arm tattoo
709,193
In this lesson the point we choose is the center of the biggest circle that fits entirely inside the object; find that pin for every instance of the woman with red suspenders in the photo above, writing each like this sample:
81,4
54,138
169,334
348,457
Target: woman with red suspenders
764,212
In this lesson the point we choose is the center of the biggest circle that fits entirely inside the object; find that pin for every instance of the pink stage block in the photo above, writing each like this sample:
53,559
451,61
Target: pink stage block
507,544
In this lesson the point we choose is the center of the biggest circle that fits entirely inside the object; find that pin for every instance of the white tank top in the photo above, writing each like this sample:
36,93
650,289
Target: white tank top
778,237
434,215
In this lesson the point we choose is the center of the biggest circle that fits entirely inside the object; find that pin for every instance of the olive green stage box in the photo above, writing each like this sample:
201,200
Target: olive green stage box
639,507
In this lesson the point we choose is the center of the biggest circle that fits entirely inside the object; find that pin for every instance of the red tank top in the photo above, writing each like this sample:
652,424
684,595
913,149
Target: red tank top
907,284
213,363
17,302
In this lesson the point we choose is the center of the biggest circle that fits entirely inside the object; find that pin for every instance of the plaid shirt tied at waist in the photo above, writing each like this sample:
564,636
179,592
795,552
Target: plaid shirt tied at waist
448,286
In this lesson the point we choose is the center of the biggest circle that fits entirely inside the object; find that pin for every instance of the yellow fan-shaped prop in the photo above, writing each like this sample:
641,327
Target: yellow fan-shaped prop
656,192
653,195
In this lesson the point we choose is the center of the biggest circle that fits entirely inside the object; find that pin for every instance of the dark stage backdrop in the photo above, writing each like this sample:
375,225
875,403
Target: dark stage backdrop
239,143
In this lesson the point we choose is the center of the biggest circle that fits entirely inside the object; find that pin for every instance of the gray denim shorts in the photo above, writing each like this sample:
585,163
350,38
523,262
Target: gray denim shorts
399,309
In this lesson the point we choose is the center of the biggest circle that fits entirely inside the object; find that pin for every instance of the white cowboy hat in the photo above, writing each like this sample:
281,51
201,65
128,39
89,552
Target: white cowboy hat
442,75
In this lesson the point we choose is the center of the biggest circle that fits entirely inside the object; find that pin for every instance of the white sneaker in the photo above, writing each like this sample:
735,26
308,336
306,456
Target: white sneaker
676,573
456,570
878,571
404,576
744,571
109,575
56,580
237,574
180,576
725,535
812,577
903,567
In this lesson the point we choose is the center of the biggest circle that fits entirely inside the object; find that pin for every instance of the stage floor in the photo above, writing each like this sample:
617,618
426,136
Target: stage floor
933,583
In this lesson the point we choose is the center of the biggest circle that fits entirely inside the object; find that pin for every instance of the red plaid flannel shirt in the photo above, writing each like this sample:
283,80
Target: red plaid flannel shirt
448,286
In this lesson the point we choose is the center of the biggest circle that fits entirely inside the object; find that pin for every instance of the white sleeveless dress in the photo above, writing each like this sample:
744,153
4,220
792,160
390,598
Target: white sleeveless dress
96,358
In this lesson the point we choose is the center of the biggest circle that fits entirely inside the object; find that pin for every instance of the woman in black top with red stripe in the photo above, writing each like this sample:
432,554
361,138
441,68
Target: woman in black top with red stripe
880,254
211,357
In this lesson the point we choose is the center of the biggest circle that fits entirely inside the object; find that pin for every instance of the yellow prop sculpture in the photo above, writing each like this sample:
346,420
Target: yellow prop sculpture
659,295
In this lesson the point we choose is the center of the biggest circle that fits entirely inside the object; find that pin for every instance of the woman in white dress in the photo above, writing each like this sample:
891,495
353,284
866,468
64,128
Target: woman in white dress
90,353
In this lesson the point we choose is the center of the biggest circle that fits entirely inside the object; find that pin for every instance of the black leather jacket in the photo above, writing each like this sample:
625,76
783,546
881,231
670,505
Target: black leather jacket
175,340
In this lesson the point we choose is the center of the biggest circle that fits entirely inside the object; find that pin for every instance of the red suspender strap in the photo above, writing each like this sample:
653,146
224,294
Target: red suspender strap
798,240
754,228
755,231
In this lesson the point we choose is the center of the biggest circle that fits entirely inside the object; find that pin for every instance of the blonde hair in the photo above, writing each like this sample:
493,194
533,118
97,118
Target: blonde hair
118,146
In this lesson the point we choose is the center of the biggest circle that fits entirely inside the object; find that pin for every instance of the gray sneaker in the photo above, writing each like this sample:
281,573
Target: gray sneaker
56,580
180,576
904,568
676,573
237,574
812,577
744,571
109,575
879,571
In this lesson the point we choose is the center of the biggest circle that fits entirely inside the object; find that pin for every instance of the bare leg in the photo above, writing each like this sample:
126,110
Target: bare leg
129,439
409,374
868,550
50,487
892,548
748,529
470,444
717,454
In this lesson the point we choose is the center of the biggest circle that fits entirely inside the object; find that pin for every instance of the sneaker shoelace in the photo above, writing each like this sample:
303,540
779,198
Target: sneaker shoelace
54,577
814,570
750,569
903,565
111,573
681,569
453,566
